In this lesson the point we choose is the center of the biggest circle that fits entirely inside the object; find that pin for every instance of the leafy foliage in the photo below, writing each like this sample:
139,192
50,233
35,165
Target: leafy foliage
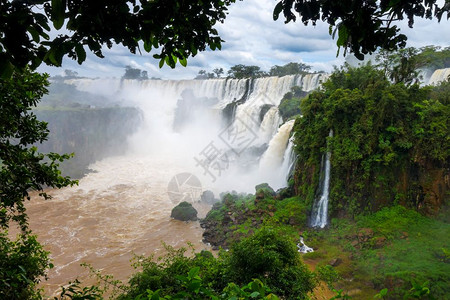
273,259
381,129
404,65
74,291
22,262
180,28
435,57
23,169
274,264
290,104
364,26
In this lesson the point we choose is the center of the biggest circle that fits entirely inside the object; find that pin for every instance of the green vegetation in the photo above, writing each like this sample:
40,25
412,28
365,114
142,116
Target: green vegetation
216,73
390,143
395,249
265,262
23,169
236,217
291,68
23,263
404,65
242,71
290,104
435,57
25,30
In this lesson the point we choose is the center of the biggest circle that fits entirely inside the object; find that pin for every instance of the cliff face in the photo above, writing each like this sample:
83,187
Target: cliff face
90,133
424,187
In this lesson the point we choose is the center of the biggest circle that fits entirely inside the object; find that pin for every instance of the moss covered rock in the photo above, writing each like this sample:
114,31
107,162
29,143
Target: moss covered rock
184,212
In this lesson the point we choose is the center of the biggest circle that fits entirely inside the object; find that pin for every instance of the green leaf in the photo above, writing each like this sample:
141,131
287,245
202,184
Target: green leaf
193,272
81,53
342,35
34,34
6,69
148,45
277,10
194,286
183,61
254,294
58,10
161,63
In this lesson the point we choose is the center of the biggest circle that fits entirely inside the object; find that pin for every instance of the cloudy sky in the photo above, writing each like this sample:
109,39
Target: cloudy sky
251,38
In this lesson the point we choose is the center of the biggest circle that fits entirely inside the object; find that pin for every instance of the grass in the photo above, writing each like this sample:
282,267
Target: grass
414,248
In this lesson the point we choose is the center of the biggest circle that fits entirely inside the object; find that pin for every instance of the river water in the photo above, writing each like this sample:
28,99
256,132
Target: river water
120,209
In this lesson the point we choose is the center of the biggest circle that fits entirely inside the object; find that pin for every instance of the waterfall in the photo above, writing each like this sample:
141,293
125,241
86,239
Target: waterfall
439,76
289,159
269,125
320,207
272,162
237,120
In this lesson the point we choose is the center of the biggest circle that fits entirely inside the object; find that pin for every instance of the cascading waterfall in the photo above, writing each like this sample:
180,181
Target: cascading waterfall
269,125
438,76
320,207
272,162
289,159
241,140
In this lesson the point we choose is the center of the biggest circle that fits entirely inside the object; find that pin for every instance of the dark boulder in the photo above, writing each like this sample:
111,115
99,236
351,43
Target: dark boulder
184,212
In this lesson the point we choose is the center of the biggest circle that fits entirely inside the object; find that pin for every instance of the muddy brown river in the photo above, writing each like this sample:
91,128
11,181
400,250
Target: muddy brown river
120,210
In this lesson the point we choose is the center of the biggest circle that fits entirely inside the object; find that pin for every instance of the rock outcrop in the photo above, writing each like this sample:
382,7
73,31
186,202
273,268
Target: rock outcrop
184,212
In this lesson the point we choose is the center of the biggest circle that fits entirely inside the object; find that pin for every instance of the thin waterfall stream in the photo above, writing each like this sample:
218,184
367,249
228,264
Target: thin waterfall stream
319,216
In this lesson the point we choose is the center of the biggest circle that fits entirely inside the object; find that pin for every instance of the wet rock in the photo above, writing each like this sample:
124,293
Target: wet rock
335,262
184,212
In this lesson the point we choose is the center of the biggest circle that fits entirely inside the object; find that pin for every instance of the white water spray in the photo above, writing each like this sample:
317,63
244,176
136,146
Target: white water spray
303,248
320,207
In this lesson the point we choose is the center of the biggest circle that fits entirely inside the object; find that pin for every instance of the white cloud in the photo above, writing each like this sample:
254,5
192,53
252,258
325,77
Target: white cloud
252,38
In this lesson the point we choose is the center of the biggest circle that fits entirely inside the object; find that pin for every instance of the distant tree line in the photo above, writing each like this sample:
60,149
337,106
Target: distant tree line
243,71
